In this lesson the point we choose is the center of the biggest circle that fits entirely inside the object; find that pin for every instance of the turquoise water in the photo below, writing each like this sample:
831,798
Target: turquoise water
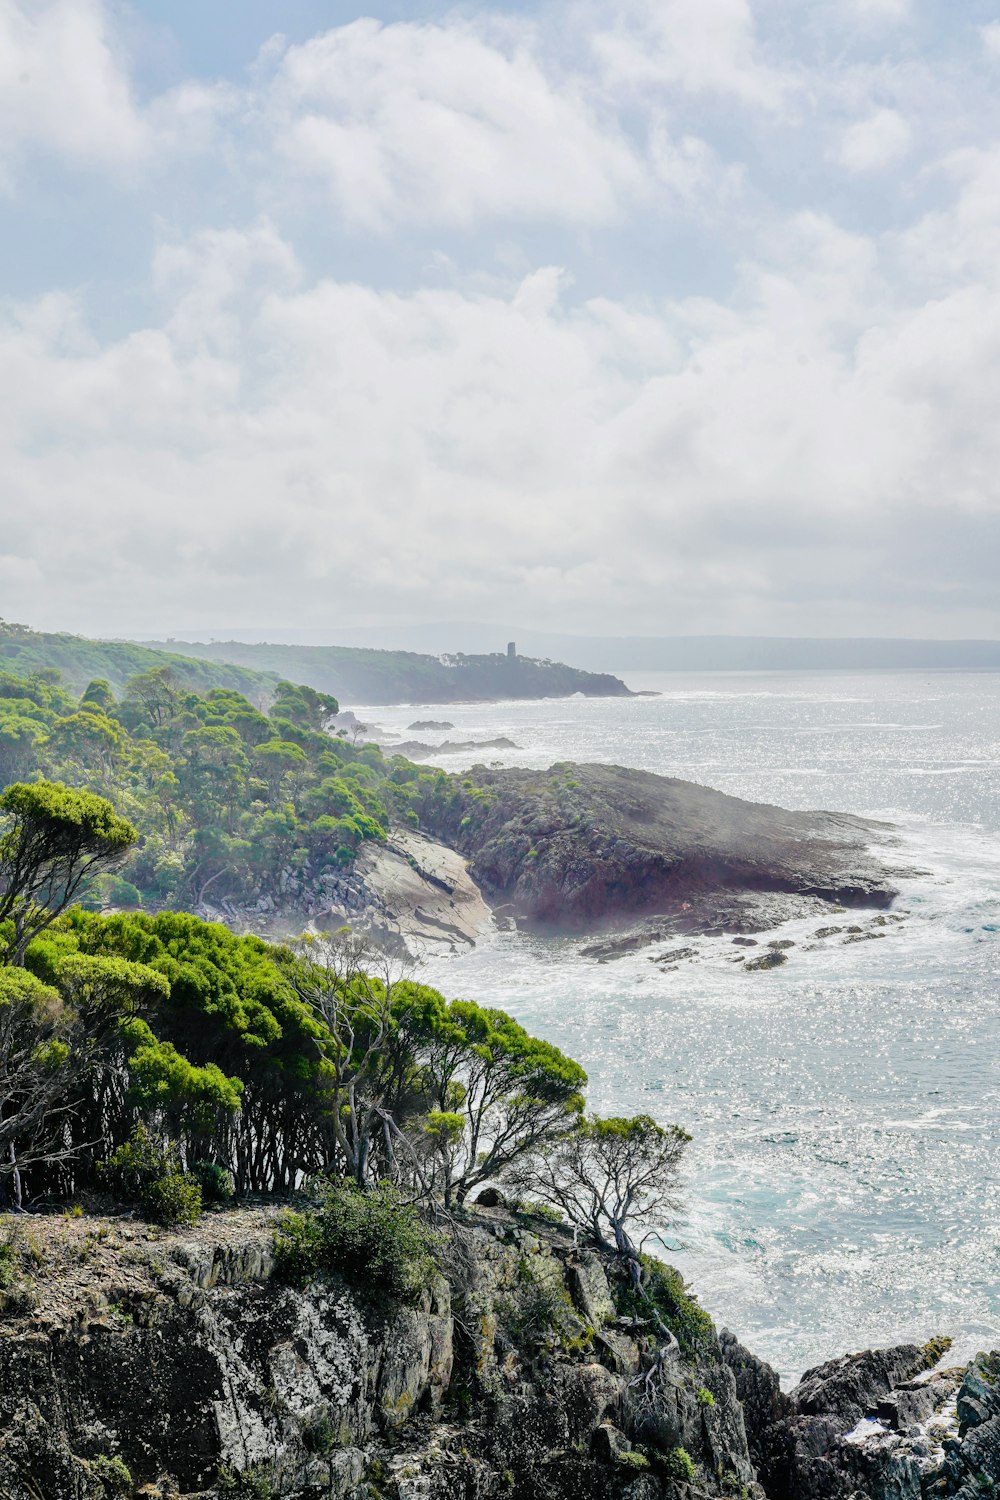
844,1181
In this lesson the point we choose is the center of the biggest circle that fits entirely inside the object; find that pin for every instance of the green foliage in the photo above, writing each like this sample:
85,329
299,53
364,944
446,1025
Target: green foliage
113,1473
173,1200
374,1238
675,1304
148,1172
705,1397
128,1171
679,1465
629,1458
54,837
215,1181
256,1482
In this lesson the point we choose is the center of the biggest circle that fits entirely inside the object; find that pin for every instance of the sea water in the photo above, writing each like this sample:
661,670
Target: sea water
843,1184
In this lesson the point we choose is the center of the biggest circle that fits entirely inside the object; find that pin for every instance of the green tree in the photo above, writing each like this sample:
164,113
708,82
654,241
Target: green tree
54,838
609,1175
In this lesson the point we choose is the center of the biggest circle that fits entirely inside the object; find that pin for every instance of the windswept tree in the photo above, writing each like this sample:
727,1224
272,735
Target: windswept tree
34,1076
349,986
610,1176
53,840
499,1094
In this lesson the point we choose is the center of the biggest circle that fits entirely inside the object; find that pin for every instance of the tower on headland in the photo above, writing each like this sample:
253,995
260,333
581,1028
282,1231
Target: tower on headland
511,651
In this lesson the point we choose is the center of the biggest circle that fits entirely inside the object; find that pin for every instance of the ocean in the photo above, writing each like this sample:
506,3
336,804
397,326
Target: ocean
843,1185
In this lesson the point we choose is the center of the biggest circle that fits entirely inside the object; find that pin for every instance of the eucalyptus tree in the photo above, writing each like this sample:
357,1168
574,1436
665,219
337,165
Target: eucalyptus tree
609,1176
53,839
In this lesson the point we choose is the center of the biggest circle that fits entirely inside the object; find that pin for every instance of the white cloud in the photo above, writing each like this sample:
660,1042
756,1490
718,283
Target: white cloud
446,123
882,10
516,452
991,39
692,46
874,144
63,86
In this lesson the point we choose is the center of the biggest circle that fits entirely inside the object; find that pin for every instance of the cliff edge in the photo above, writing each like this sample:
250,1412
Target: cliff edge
139,1362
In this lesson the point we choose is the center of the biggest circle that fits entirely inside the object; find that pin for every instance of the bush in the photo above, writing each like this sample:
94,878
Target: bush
630,1459
705,1397
372,1237
665,1288
173,1200
113,1473
216,1182
679,1465
140,1161
145,1172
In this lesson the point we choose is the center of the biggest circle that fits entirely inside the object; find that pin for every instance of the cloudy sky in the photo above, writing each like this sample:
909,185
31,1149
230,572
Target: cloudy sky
646,316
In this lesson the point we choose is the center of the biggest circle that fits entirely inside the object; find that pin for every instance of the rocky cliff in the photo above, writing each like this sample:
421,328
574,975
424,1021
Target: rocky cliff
138,1362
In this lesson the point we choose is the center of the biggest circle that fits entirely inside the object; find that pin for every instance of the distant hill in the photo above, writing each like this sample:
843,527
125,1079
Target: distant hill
671,653
355,674
79,660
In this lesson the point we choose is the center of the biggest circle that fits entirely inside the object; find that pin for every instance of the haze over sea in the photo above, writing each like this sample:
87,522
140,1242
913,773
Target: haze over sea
843,1181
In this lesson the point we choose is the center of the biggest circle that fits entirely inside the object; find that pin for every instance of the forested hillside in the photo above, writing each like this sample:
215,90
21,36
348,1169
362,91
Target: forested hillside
224,797
79,660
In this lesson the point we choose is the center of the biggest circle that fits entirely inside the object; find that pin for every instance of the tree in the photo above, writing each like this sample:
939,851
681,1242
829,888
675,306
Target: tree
608,1175
304,706
34,1072
512,1094
151,697
54,839
349,985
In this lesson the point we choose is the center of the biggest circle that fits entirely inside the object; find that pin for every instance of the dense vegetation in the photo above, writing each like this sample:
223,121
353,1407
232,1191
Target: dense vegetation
155,1056
78,661
225,797
350,673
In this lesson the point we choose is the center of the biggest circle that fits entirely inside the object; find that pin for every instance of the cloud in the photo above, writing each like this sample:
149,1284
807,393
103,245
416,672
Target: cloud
991,39
882,10
445,123
64,88
694,46
491,315
874,144
329,446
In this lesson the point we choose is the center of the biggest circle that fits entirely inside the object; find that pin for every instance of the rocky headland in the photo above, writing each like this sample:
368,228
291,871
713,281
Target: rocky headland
632,858
582,847
135,1361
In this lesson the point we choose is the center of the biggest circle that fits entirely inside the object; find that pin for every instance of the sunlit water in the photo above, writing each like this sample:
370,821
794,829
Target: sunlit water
843,1184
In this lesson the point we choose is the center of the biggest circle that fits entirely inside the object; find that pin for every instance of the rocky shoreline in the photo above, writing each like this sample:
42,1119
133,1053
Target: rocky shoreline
627,857
134,1361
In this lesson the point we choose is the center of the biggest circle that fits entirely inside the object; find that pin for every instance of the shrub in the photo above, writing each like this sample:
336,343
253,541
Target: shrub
216,1182
630,1459
10,1265
680,1465
129,1170
373,1237
173,1200
665,1288
705,1397
145,1172
113,1473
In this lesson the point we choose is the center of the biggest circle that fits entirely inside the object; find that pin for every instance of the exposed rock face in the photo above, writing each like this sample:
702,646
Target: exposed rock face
867,1426
581,844
183,1358
183,1361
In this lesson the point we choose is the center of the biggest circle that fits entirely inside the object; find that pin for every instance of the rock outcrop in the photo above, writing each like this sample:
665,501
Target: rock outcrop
137,1362
581,845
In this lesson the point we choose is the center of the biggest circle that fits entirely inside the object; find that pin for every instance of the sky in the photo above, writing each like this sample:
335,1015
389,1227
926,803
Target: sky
642,317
